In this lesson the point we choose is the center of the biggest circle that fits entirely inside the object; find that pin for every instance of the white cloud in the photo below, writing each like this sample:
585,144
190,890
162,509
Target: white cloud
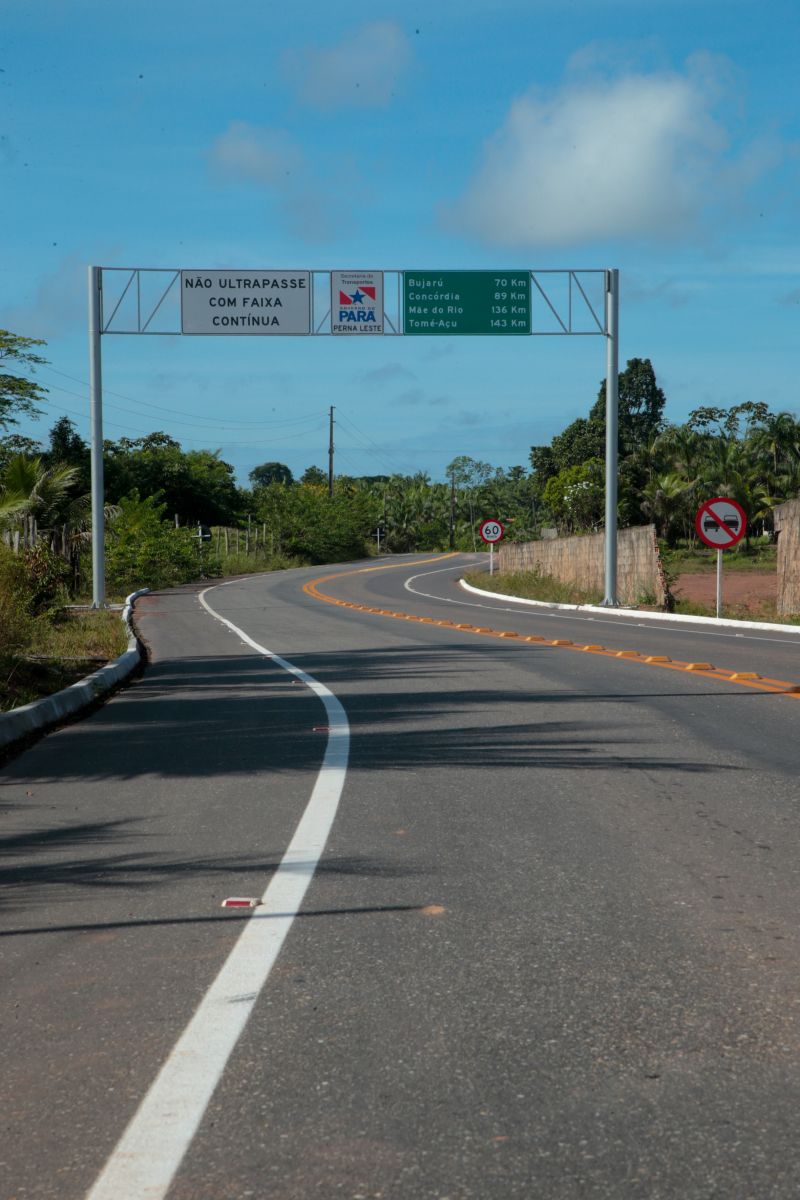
256,155
270,159
58,305
365,67
639,155
388,373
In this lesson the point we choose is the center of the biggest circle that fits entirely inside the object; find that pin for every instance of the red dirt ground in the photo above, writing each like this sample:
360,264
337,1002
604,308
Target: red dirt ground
740,589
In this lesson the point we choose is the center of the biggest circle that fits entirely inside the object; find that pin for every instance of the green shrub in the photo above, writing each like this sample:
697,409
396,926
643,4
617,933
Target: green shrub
143,550
47,576
16,619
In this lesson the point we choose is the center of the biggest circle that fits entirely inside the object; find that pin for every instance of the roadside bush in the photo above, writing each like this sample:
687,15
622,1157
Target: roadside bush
47,576
16,620
143,550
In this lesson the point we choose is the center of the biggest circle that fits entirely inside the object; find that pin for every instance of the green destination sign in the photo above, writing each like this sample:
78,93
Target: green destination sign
455,302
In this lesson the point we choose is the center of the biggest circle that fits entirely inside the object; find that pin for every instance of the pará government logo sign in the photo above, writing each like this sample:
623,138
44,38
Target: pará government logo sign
356,302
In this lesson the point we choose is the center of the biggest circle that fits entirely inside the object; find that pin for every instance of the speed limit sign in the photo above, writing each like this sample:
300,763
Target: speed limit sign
492,531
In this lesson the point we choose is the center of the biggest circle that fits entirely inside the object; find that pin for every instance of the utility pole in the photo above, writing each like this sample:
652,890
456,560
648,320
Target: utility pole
452,510
330,455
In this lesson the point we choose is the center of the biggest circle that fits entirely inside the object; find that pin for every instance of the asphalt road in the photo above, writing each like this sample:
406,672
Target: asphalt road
549,947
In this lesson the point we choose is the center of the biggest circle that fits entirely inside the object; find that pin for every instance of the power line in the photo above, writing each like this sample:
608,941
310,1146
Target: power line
265,441
315,417
161,408
377,451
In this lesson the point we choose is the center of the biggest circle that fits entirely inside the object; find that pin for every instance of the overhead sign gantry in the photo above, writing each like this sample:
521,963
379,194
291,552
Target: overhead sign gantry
354,303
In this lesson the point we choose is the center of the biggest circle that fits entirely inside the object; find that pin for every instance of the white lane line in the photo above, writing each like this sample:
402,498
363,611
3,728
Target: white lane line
148,1154
617,622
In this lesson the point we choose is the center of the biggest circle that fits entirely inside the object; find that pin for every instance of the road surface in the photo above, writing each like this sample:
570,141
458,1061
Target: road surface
527,920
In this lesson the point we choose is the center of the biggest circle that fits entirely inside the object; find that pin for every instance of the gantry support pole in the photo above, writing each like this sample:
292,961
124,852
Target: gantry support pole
96,411
612,434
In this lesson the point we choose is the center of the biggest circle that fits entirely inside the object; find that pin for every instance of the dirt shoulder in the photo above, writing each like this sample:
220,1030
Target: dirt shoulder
749,593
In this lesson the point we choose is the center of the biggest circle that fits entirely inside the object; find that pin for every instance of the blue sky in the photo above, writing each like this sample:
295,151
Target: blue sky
657,136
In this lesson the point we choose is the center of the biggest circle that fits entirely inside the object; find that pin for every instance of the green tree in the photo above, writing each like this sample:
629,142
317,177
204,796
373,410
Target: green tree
641,405
19,396
196,485
271,472
29,488
664,501
314,475
306,522
145,550
576,497
14,444
777,438
67,448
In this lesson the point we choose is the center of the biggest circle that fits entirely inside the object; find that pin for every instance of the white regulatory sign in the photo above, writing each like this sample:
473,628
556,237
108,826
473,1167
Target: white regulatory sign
492,531
356,302
246,302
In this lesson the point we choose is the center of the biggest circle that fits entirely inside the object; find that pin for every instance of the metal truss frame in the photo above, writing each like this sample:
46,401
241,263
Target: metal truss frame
570,309
564,296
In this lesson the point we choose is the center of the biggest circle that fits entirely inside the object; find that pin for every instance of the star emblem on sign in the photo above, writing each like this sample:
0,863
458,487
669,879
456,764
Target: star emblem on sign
358,297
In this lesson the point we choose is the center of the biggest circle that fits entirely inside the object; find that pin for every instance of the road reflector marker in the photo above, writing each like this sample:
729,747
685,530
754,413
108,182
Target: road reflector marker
562,642
627,654
657,658
532,637
699,667
240,902
321,729
593,646
744,675
508,633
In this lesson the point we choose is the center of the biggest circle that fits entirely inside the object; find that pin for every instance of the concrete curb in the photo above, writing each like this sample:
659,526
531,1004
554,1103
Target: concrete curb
722,622
52,710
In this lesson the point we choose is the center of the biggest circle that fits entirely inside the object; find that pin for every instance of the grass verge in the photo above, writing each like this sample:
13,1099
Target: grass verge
699,560
763,610
61,651
531,585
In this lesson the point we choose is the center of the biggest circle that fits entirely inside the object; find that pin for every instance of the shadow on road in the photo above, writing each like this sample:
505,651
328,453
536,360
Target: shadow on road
241,715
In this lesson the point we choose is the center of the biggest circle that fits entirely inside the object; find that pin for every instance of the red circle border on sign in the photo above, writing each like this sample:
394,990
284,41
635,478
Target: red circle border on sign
492,521
704,508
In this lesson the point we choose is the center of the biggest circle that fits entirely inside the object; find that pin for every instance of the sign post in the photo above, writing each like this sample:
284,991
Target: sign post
720,524
491,532
96,416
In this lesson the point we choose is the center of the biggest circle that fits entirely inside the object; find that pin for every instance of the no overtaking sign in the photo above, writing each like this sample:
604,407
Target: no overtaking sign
720,523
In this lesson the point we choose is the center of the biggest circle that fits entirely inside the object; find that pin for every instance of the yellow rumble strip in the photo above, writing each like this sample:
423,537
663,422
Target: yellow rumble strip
706,670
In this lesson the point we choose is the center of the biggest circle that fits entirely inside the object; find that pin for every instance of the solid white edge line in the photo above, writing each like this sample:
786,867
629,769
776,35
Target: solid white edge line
618,617
147,1156
677,618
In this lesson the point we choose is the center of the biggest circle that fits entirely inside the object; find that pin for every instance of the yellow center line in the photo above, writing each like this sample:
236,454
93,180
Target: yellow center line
705,670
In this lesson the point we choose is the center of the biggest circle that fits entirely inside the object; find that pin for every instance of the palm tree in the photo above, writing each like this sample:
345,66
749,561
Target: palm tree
779,437
663,498
30,492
